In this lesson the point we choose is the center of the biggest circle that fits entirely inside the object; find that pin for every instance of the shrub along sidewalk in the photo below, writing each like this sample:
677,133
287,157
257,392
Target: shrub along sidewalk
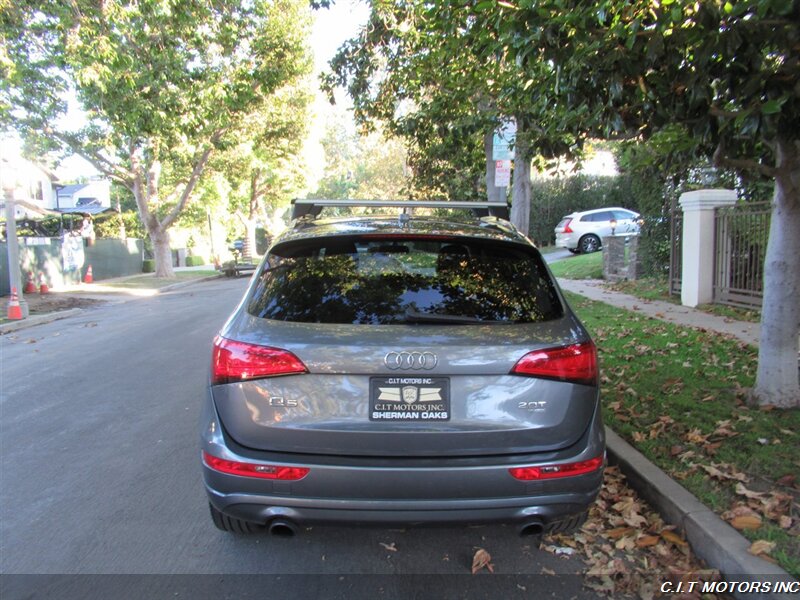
678,395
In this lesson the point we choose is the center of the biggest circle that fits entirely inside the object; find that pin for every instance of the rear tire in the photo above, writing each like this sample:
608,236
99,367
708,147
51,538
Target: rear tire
589,243
569,525
233,525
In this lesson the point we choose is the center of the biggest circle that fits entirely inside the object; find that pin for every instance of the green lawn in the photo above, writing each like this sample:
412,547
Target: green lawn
582,266
149,281
679,396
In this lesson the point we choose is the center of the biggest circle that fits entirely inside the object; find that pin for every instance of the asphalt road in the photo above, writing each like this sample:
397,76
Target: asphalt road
559,254
101,493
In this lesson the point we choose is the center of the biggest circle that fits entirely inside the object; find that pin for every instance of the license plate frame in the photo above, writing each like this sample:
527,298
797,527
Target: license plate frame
409,399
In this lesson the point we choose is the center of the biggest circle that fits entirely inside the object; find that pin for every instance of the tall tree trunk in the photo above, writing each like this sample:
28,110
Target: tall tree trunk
161,251
777,377
144,183
521,190
493,194
145,190
249,242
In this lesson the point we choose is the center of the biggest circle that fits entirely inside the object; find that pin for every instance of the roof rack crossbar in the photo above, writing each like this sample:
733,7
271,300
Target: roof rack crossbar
313,208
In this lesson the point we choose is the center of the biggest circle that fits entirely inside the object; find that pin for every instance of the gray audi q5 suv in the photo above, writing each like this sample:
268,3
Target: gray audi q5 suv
402,370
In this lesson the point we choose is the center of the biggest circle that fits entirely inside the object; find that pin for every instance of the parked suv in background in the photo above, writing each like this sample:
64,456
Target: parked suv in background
402,370
584,231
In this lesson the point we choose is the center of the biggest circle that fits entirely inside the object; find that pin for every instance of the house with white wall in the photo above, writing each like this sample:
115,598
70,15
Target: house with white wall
91,197
32,183
37,189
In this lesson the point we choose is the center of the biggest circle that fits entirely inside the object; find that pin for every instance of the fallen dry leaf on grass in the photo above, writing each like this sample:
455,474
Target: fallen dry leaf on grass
746,522
761,547
695,436
716,471
743,491
482,559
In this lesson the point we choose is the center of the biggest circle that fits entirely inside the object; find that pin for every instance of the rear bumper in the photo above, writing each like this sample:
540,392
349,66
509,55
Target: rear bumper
566,240
401,492
550,511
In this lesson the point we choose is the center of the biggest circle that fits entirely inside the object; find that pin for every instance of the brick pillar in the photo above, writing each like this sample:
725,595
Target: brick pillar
614,258
634,260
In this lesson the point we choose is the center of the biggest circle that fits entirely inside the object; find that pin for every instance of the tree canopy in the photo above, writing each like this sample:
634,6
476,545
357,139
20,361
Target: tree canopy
159,85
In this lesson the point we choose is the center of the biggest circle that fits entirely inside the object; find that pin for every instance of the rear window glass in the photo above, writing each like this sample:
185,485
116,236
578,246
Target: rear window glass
404,280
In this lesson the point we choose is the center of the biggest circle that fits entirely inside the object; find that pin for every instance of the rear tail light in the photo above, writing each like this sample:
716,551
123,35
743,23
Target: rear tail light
575,364
238,361
567,228
555,471
260,471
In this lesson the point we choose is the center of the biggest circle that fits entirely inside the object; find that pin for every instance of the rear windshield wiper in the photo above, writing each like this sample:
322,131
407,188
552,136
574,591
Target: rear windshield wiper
413,316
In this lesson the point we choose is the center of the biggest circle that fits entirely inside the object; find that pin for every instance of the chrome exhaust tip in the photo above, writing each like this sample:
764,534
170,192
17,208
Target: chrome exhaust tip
282,528
531,528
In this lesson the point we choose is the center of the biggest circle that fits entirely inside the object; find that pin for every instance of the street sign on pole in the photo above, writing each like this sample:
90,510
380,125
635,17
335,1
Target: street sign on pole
502,173
503,140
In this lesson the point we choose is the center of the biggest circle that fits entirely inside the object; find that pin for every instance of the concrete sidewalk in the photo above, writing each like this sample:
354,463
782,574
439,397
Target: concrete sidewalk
594,289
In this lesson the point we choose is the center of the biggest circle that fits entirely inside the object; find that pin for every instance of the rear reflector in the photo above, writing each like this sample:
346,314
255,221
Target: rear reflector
575,364
260,471
237,361
555,471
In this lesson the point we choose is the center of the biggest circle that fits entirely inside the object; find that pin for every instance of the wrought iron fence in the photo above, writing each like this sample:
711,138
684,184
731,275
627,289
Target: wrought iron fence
740,241
676,250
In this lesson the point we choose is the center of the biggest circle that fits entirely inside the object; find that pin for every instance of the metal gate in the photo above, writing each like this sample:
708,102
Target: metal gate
740,241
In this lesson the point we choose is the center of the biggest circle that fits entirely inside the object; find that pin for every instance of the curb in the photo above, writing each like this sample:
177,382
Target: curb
712,539
182,284
32,321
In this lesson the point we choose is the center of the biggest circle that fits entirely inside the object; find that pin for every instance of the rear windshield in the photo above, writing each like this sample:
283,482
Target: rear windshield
394,280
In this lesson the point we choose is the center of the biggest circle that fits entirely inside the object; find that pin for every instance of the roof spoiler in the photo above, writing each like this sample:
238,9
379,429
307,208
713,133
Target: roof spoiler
313,208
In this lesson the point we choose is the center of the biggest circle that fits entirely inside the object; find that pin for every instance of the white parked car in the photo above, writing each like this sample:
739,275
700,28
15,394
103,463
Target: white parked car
584,231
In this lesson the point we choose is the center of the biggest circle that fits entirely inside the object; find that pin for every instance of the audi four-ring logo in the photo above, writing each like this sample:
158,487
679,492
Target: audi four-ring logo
415,361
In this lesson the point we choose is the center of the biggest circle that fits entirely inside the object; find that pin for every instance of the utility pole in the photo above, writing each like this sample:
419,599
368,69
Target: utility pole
14,276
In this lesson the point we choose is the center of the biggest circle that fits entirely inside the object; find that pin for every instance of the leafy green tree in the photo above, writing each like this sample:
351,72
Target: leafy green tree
340,148
264,169
161,86
408,69
446,161
370,166
727,71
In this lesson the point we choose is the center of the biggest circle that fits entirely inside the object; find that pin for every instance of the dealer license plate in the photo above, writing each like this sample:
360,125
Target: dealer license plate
409,399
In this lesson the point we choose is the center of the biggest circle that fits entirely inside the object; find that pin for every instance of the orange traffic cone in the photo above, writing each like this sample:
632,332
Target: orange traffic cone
43,287
30,286
14,310
88,278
